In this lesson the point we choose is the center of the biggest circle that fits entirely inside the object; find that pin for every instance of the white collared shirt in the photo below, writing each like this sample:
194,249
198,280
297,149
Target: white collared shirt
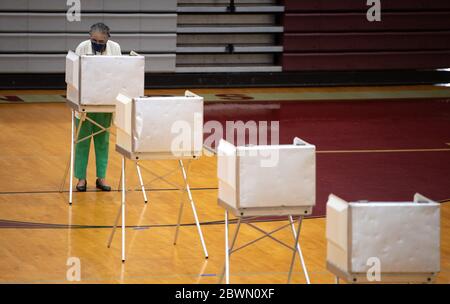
85,48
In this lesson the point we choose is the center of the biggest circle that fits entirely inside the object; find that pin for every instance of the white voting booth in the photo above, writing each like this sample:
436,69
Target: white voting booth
266,180
159,128
93,83
401,240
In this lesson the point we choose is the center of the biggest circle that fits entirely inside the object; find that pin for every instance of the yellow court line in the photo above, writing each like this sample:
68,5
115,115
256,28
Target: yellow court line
213,151
384,151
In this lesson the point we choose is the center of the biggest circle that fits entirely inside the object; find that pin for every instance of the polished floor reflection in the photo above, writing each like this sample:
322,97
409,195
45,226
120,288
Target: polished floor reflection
385,149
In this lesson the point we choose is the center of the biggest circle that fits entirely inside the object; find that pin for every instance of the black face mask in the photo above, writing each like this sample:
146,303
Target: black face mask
98,47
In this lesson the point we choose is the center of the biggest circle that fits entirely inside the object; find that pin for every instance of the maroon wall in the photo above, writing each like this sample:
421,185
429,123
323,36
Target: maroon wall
322,35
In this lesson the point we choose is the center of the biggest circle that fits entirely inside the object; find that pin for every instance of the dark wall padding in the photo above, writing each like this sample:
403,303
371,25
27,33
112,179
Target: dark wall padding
336,35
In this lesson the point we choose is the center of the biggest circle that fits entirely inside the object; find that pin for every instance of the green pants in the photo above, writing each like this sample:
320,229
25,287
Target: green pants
101,143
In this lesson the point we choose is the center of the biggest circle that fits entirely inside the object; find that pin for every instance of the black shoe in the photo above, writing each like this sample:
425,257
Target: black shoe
82,188
102,187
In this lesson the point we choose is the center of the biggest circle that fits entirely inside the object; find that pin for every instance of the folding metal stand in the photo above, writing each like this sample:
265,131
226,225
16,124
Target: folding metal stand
83,110
246,219
183,189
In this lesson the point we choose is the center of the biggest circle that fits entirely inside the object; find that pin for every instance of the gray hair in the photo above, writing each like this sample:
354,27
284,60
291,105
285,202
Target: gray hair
100,27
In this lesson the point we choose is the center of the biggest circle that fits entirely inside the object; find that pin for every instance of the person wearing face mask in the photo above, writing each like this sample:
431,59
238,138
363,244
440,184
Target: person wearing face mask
98,44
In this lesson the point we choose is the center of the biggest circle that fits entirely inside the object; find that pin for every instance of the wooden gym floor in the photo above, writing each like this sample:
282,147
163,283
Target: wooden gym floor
39,231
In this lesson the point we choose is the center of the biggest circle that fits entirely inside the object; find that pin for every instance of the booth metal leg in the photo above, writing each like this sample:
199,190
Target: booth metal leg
74,141
66,170
299,249
120,181
184,189
69,233
295,249
113,231
199,229
69,164
336,279
180,213
229,248
141,182
202,271
227,252
69,167
71,160
72,152
123,208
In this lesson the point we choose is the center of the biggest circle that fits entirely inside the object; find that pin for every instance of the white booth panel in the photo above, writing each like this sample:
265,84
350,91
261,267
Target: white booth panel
168,125
72,77
226,163
72,69
226,172
337,217
104,77
337,232
267,176
122,121
288,181
404,236
123,140
124,107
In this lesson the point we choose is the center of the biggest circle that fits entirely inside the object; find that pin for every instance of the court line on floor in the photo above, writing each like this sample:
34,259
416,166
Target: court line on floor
235,96
33,225
98,191
9,224
384,151
215,188
213,151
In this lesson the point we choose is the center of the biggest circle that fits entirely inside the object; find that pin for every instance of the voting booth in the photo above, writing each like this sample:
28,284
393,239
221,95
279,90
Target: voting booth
267,180
159,128
264,181
169,127
398,241
93,83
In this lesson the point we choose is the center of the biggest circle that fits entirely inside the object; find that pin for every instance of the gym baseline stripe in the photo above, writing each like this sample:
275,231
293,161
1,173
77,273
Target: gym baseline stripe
383,151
